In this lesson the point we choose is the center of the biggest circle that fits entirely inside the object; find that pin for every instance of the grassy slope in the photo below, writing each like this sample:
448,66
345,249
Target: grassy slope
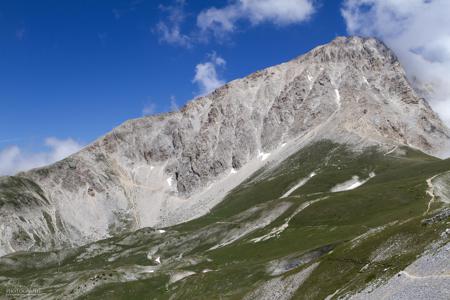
396,196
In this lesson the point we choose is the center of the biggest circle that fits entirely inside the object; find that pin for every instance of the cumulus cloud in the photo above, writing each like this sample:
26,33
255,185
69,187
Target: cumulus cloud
419,33
13,159
206,74
169,30
221,21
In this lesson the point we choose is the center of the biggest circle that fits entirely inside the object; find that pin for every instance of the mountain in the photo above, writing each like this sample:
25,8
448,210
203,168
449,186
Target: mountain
317,177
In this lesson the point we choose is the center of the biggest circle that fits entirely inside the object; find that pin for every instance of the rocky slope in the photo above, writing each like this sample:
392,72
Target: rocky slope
166,169
286,232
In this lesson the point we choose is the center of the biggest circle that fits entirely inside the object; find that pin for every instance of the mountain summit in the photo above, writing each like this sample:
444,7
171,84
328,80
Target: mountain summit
319,178
166,169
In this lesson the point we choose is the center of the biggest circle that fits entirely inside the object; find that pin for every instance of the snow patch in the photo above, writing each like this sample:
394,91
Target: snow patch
338,97
298,185
365,80
169,181
148,269
233,171
263,156
283,145
161,231
351,184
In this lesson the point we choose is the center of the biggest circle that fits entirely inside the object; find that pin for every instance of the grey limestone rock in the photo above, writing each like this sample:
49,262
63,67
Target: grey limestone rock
165,169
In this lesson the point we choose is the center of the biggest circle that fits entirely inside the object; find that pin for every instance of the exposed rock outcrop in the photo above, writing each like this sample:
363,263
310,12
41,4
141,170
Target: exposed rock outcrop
165,169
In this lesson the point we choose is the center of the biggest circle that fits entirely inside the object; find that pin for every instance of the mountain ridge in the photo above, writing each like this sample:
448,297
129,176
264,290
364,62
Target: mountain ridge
166,169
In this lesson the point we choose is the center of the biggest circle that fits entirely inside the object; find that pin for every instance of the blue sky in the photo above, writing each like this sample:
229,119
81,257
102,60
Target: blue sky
73,70
79,68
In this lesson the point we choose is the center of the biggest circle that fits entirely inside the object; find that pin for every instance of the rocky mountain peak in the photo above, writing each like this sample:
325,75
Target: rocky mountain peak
354,50
166,169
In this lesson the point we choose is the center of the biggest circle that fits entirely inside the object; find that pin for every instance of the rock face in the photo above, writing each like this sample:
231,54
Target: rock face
165,169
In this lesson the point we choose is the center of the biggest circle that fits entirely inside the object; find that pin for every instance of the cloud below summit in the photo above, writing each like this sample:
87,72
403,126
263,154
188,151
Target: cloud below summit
13,159
419,33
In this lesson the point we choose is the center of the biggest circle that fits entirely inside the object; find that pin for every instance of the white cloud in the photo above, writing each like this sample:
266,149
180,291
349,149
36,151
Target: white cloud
149,109
221,21
206,75
13,159
170,30
419,33
155,107
172,35
173,104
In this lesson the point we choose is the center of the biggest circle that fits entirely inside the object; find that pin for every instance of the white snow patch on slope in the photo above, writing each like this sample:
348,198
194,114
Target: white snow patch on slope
338,97
132,273
169,181
351,184
233,171
148,270
263,156
365,80
298,185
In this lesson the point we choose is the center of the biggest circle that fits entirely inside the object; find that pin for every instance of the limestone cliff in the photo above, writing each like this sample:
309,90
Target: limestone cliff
165,169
